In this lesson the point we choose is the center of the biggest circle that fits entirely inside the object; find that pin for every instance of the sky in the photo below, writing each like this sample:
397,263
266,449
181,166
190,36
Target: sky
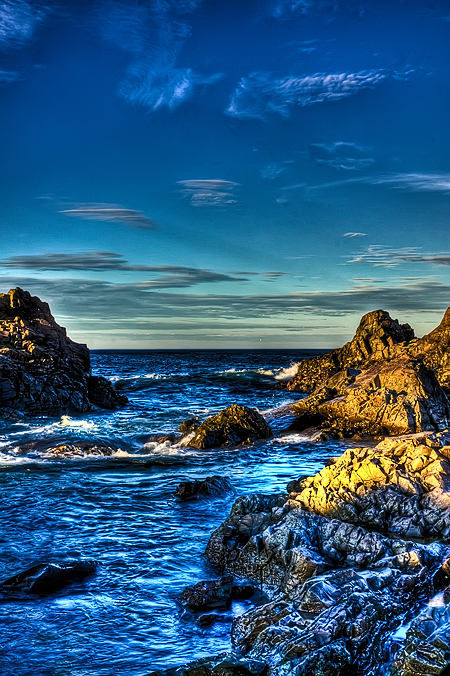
226,173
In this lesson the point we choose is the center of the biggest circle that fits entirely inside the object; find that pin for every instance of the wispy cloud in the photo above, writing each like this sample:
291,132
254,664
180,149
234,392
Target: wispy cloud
340,155
355,234
8,76
410,182
208,192
111,213
260,94
18,20
153,34
167,276
382,256
272,170
280,9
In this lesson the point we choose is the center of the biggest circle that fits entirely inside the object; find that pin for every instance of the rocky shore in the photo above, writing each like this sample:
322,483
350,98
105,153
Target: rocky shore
42,371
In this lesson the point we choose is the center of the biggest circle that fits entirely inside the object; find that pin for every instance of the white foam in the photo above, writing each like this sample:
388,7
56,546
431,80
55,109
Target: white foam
287,373
67,421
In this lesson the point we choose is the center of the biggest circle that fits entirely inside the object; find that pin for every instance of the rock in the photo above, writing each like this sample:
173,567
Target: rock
401,486
225,664
209,594
211,618
434,350
42,371
46,578
189,425
396,397
377,338
242,592
211,486
234,425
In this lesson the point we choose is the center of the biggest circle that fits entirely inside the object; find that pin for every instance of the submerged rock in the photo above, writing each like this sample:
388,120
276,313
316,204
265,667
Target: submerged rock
210,486
234,425
42,371
46,578
394,397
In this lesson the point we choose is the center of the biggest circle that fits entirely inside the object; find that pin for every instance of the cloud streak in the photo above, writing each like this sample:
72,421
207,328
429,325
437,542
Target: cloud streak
18,20
167,276
260,95
340,156
208,192
111,213
382,256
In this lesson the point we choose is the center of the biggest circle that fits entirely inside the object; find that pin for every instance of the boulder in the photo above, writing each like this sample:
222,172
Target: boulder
209,594
399,396
42,371
378,338
211,486
225,664
46,578
234,425
189,425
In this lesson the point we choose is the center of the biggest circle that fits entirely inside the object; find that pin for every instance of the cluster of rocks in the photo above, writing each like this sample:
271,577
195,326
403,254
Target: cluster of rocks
340,561
383,382
42,371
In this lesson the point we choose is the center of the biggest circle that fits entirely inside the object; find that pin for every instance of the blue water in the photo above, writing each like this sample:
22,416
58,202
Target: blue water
119,509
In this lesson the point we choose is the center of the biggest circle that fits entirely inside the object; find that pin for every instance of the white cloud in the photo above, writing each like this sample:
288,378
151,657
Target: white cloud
208,192
111,213
355,234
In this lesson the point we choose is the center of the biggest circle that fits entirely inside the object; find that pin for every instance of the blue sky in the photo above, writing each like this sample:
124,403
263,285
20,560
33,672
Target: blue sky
226,174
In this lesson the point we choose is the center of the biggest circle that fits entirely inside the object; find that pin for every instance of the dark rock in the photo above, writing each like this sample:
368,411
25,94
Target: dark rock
207,620
211,486
225,664
242,592
209,594
395,397
189,425
234,425
46,578
42,371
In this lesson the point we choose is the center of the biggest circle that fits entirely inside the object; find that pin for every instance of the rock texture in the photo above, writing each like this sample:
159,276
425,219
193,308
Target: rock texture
340,560
225,664
209,593
234,425
42,371
377,338
393,397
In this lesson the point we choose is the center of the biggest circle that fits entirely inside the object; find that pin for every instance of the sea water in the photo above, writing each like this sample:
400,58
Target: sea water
120,510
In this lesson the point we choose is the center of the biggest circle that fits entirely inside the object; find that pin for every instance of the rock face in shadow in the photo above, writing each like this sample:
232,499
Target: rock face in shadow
42,371
47,578
399,396
234,425
378,338
339,560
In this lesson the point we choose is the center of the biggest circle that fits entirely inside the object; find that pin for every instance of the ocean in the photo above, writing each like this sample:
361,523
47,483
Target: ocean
116,505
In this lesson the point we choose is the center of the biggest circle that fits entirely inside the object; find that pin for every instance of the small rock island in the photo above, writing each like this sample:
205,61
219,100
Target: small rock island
43,371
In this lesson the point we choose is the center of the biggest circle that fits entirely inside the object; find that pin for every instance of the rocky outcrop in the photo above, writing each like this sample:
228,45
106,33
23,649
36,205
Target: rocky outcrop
340,561
234,425
399,396
209,593
225,664
377,338
42,371
46,578
434,350
210,486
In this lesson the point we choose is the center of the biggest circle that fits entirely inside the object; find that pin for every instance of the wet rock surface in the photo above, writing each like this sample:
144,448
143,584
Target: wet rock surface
47,578
209,593
42,371
225,664
234,425
210,486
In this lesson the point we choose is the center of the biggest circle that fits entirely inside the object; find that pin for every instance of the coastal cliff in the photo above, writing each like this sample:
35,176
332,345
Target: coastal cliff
43,371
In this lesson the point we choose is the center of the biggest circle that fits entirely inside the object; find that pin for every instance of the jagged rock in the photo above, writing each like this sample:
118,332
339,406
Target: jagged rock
42,371
402,486
434,350
209,594
427,645
46,578
377,338
189,425
234,425
212,485
225,664
394,397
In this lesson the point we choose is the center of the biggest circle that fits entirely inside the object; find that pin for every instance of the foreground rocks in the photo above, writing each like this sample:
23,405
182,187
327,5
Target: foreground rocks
340,559
42,371
225,664
234,425
46,578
